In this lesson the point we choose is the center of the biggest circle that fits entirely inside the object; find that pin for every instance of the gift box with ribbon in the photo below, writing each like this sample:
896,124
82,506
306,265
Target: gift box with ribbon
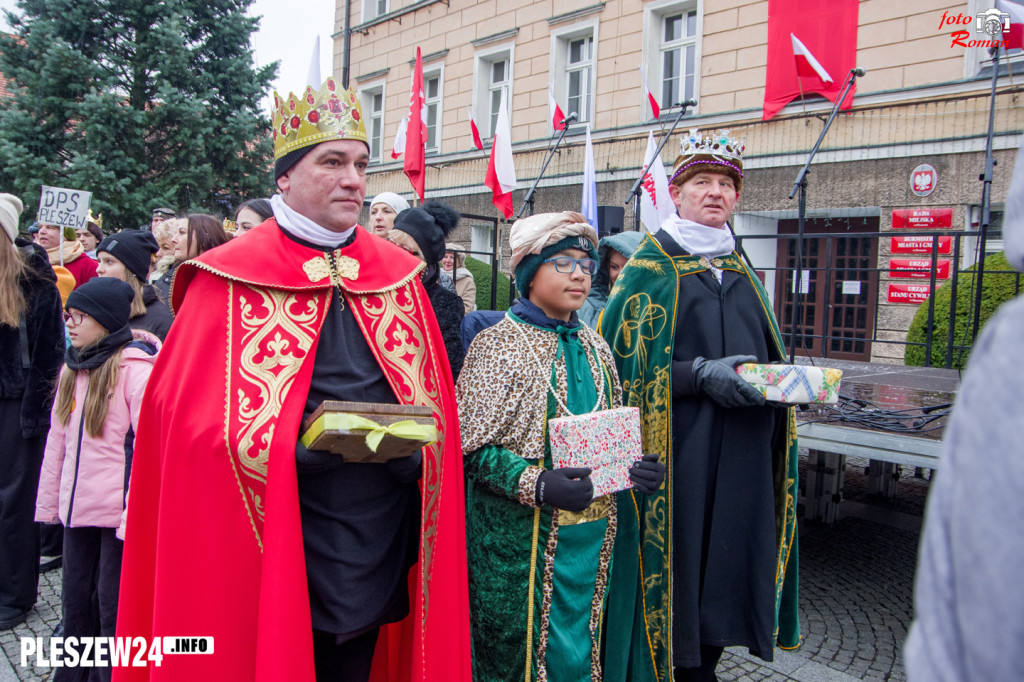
606,441
793,384
369,432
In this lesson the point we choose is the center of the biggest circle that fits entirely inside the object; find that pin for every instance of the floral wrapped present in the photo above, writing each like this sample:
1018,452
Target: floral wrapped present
793,384
607,441
369,432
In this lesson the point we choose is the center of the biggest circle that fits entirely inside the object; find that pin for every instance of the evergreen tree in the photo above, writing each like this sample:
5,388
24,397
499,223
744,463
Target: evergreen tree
142,103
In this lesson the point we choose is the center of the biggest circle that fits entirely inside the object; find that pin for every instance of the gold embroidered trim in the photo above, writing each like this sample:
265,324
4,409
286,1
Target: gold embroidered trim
316,269
599,509
348,267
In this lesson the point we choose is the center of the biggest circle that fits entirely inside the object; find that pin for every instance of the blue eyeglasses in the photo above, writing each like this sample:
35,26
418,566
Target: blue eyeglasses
566,265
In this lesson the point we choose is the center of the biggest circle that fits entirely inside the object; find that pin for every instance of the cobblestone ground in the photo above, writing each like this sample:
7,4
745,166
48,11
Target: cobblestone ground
856,583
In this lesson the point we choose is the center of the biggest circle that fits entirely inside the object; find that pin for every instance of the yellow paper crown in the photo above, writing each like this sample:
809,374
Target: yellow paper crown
332,113
95,219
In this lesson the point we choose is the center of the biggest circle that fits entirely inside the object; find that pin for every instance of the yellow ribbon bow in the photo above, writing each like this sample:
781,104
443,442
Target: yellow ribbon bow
407,429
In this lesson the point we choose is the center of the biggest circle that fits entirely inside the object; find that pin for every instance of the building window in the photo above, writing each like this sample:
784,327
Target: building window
678,55
373,9
372,99
432,91
579,75
497,84
482,242
574,51
671,50
493,75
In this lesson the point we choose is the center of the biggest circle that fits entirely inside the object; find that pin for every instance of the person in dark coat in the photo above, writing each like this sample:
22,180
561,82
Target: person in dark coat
422,231
126,256
31,348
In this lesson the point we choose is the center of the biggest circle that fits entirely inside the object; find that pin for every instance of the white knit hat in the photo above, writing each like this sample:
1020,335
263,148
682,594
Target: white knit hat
10,209
397,203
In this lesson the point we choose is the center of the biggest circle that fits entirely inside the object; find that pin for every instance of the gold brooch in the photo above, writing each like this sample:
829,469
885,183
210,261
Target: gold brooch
316,269
348,267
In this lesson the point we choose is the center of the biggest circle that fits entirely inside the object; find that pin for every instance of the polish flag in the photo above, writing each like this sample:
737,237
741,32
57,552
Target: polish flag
477,142
501,172
416,147
806,64
655,202
398,148
655,109
1014,36
557,117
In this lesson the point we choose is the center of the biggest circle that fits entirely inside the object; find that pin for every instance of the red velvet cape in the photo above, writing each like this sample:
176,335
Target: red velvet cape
213,541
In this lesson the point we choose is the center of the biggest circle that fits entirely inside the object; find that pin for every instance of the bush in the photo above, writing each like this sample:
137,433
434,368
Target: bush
482,275
996,290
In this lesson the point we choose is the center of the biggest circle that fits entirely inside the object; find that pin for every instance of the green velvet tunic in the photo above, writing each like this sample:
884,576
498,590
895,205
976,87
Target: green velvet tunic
538,576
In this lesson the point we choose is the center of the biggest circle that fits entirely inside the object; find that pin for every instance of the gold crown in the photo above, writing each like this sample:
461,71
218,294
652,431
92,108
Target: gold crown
95,219
332,113
719,149
229,226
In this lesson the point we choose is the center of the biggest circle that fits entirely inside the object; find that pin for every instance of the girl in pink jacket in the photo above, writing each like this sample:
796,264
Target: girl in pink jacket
87,462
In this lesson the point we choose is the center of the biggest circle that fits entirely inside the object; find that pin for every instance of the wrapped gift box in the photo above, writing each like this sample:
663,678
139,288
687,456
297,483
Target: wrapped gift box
607,441
369,432
793,384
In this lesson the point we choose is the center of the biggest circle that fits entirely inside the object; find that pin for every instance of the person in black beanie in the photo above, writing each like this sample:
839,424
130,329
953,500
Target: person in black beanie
83,481
422,231
126,256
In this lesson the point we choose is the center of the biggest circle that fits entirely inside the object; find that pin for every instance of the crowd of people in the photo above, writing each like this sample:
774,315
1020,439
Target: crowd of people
171,449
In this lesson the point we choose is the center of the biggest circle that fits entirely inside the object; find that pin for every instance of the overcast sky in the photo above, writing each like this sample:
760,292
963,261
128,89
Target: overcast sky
287,33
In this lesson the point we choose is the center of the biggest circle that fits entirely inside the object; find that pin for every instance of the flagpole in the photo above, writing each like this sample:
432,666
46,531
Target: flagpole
986,194
634,193
801,186
528,199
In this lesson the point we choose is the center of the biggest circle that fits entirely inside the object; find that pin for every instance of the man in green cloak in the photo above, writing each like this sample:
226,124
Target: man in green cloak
719,546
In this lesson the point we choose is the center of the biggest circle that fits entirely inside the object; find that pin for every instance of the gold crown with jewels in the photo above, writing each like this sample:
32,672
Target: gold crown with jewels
330,113
703,151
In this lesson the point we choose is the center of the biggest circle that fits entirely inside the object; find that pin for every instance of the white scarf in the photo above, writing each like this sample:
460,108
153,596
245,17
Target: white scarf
701,240
304,228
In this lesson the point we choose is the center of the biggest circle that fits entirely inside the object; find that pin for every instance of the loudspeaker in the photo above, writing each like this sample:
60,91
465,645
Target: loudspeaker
609,220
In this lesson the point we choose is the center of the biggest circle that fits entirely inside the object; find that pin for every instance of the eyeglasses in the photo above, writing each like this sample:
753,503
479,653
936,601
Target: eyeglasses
76,318
567,265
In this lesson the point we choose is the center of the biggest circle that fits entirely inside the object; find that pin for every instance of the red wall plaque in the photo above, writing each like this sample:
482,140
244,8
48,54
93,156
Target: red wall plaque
908,293
920,244
922,218
918,268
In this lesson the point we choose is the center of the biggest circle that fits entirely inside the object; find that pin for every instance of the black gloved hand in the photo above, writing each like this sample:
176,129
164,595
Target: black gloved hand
647,474
718,380
570,489
407,469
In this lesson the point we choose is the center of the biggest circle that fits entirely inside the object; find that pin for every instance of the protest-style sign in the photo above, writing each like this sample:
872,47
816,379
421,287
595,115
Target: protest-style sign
64,207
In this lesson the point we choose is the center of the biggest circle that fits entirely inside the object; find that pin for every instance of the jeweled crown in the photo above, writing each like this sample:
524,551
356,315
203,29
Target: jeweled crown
717,149
331,113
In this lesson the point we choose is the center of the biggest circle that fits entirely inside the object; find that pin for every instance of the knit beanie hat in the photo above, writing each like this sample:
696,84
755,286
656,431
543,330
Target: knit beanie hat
105,299
540,236
429,224
10,209
396,202
133,248
94,230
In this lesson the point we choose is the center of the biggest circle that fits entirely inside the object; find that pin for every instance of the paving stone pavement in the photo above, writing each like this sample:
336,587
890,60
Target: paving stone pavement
856,586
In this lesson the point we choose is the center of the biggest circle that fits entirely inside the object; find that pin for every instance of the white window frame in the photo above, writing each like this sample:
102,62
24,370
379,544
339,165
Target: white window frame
370,9
977,58
560,41
366,94
482,241
484,58
653,49
429,73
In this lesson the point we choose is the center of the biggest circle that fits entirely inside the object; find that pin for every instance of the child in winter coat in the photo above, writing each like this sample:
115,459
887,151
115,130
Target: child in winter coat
87,461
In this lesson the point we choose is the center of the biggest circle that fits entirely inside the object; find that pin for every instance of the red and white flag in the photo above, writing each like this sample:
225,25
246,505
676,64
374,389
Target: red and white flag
1014,36
655,202
557,117
501,171
807,66
477,142
655,109
398,148
416,134
797,40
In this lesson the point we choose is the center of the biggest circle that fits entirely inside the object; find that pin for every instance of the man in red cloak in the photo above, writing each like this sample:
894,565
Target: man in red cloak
299,565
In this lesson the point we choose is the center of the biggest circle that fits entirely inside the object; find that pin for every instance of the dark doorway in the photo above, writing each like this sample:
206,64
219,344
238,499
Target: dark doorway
840,287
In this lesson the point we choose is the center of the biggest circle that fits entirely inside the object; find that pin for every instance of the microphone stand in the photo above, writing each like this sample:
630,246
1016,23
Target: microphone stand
986,198
801,186
634,193
528,199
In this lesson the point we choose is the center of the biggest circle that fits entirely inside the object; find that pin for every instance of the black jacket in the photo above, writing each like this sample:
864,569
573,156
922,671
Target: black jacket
157,318
31,353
